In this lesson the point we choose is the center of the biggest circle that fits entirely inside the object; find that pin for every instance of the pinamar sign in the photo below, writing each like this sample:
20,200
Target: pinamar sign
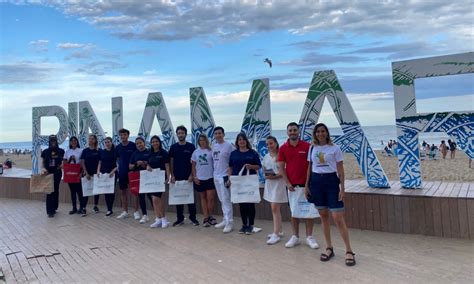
80,119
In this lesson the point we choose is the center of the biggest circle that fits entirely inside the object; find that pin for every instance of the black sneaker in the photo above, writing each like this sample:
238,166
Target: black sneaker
249,230
243,230
96,209
50,215
84,213
178,223
73,211
109,213
212,221
194,222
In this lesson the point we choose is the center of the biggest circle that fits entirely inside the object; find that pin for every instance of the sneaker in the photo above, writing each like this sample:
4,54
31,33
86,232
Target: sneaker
178,223
50,215
220,225
249,230
273,239
144,219
206,223
73,211
84,213
164,223
96,209
194,222
292,242
280,234
212,221
227,228
243,229
157,223
136,215
311,242
123,215
109,213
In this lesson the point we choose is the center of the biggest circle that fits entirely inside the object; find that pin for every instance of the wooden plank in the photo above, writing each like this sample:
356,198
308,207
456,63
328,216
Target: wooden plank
376,212
436,209
454,211
383,200
470,193
470,217
398,214
348,209
369,211
355,211
445,211
463,218
405,203
361,211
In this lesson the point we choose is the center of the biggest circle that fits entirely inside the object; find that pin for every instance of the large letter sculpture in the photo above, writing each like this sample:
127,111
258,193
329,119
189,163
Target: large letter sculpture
117,118
88,119
458,125
42,140
326,85
155,105
202,121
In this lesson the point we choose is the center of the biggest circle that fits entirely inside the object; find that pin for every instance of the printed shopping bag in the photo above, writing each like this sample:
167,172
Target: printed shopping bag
181,192
134,182
42,183
87,186
104,184
244,188
299,205
72,173
152,181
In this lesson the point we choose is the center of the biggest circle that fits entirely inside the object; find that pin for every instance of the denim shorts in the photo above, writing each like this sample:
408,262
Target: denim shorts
325,191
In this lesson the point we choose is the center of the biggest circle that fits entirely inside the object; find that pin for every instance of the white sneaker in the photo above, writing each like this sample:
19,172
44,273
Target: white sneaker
280,234
273,239
220,225
144,219
294,241
136,215
164,223
311,242
157,223
227,228
123,215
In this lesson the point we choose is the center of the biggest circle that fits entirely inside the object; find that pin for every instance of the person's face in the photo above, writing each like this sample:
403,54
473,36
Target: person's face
108,144
202,143
242,143
181,135
92,141
271,145
219,136
74,143
124,137
54,143
155,144
293,132
321,134
140,145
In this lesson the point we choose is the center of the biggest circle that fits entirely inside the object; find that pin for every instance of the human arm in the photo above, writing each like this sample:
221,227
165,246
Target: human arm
193,173
340,174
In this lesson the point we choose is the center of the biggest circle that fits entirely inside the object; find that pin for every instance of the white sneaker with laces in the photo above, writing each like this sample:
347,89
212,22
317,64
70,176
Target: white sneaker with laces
292,242
227,228
273,239
280,234
164,223
220,225
123,215
311,242
157,223
144,219
136,215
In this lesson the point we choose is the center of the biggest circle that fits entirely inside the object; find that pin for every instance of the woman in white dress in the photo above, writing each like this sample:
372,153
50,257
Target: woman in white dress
275,188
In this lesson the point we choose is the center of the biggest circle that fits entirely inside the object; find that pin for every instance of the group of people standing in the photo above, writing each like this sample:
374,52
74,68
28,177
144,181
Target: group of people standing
316,168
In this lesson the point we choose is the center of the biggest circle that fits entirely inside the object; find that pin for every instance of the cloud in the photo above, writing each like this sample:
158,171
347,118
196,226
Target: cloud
319,59
26,72
186,19
100,67
150,72
398,51
40,45
311,44
72,45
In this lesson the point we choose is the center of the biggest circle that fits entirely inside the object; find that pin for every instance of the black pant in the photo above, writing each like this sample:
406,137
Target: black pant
247,213
109,200
76,191
142,199
96,200
52,199
191,209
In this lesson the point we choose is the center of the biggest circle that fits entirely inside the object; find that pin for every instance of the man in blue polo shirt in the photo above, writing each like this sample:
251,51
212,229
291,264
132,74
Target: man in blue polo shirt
180,159
124,152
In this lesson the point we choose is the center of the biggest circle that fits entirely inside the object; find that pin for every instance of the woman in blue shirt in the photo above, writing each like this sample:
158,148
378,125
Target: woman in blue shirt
159,159
89,163
244,156
139,162
108,165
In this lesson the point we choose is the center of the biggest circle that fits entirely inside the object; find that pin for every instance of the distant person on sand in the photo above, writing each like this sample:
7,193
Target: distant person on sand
325,185
443,149
73,156
452,148
52,164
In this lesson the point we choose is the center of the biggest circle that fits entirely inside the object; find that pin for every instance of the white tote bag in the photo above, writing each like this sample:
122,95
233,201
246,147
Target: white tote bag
181,192
244,189
104,184
87,186
299,205
153,181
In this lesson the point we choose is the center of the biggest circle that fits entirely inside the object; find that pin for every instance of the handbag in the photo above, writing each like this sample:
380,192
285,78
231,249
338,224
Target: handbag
299,205
152,181
181,192
72,173
42,183
103,184
134,182
244,188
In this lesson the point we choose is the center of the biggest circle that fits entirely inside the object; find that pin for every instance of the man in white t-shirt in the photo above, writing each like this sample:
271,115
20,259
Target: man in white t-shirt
220,154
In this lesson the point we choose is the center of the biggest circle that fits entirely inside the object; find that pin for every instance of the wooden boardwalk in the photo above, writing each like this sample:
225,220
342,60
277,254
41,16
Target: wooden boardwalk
97,249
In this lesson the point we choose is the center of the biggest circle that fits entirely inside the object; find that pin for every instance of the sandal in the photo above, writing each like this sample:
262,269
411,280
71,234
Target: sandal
350,261
325,256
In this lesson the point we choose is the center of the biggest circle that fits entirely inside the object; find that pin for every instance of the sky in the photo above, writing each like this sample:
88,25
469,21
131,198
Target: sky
55,52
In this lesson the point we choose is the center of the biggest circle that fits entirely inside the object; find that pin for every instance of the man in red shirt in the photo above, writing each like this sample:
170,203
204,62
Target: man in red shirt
293,160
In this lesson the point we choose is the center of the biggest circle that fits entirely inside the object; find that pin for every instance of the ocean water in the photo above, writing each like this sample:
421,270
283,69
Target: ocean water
375,135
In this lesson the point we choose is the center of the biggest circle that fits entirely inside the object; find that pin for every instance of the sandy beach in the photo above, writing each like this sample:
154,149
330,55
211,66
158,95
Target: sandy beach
440,170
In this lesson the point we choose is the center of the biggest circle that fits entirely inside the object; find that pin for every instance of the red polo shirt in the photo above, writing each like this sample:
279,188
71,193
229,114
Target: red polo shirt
296,159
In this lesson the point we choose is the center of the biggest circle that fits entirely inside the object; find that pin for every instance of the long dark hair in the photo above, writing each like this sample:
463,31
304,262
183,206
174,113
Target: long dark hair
159,140
96,146
74,138
274,140
111,141
315,139
243,136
